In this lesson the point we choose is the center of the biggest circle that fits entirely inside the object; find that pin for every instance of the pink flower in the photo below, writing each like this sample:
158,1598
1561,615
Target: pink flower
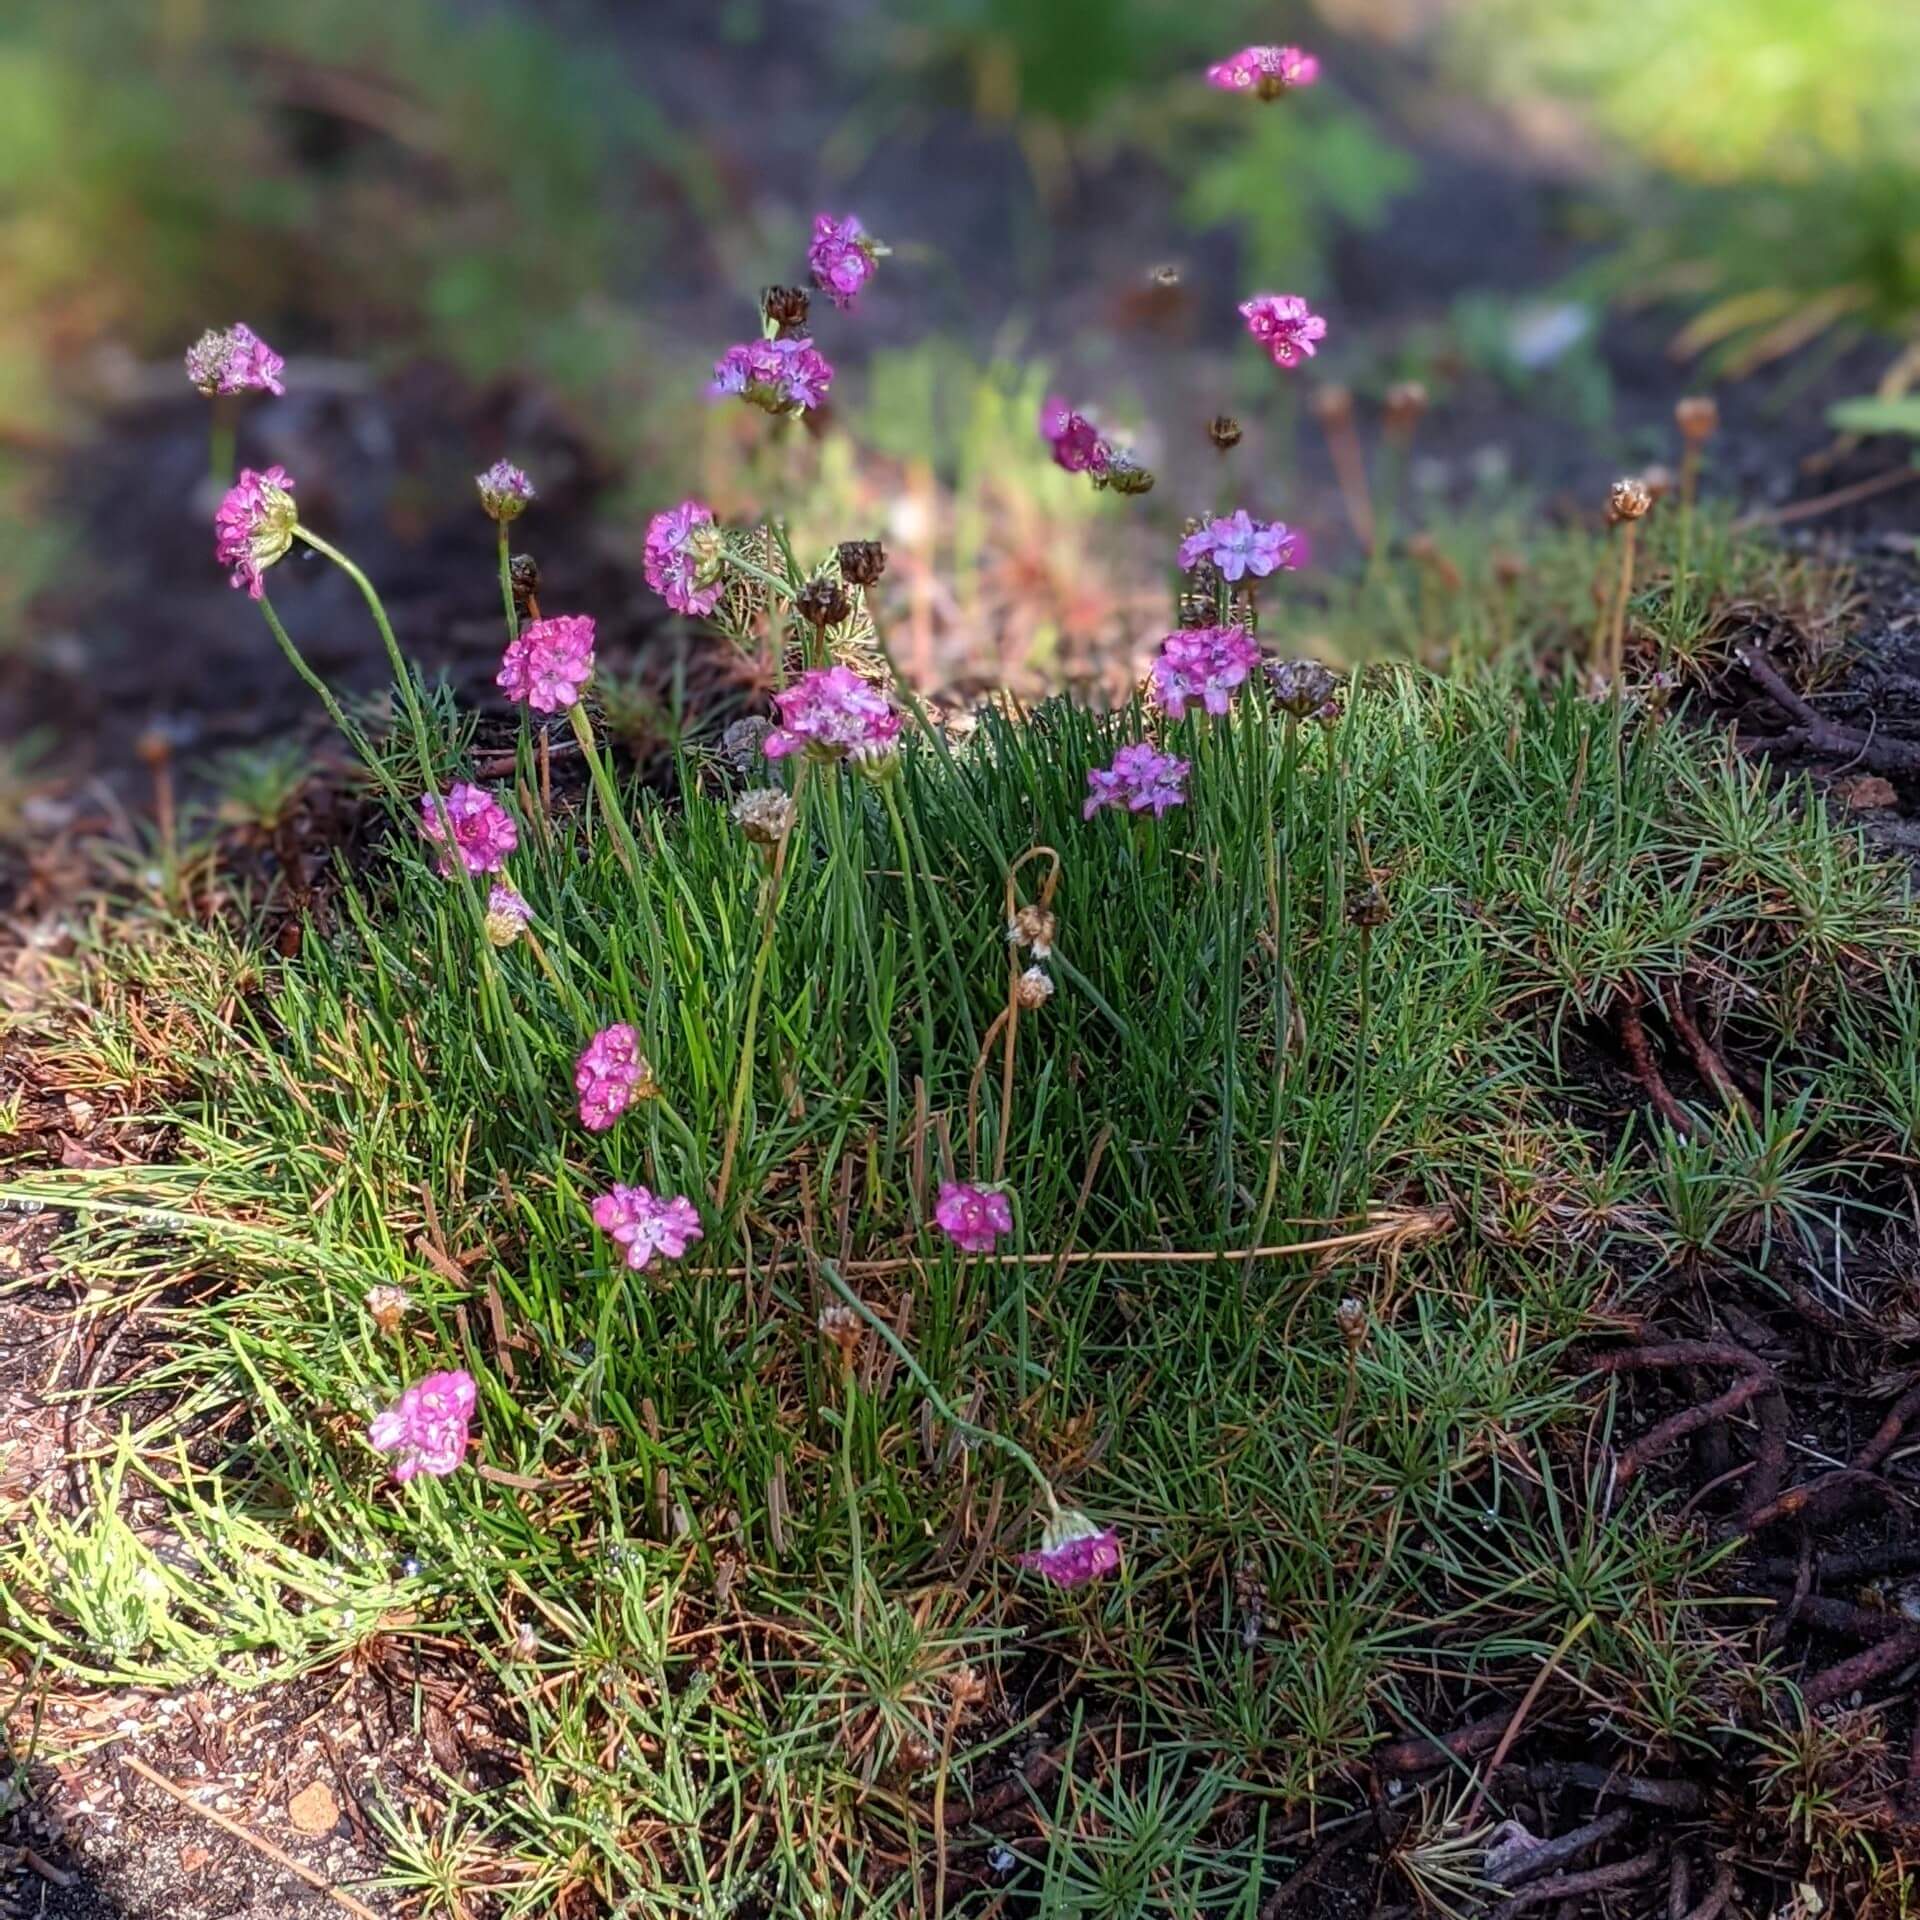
1073,1550
1285,325
830,711
504,491
1140,778
1204,664
483,830
1240,545
645,1225
788,375
973,1218
549,665
253,526
1267,71
609,1076
684,558
843,257
236,361
427,1425
1076,442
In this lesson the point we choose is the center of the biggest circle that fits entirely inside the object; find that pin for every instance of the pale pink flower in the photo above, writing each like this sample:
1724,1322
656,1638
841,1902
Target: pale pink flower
507,916
610,1075
234,361
504,491
973,1218
1239,545
427,1425
830,711
1073,1550
1141,779
549,664
1285,325
253,526
788,375
842,258
1267,71
684,558
1075,440
1204,664
483,830
644,1225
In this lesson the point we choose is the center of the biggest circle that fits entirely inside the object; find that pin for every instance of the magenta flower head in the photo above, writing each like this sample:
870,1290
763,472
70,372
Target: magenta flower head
831,711
483,830
1285,325
973,1218
427,1425
549,664
253,526
1073,1550
644,1225
685,558
1204,664
234,361
842,258
610,1075
788,375
1141,779
1239,545
1266,71
1075,440
504,491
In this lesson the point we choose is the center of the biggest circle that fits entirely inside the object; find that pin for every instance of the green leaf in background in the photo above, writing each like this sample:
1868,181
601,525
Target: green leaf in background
1875,415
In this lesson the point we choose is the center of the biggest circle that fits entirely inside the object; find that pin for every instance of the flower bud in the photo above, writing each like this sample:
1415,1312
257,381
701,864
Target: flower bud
504,491
1224,431
1124,474
1350,1316
783,310
507,916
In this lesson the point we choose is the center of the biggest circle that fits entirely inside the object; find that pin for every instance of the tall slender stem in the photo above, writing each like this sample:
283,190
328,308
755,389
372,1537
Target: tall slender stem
623,839
354,737
915,932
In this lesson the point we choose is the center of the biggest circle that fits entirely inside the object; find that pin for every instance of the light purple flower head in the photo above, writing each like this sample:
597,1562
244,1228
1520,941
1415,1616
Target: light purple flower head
830,711
234,361
507,916
1239,545
549,664
645,1225
610,1075
685,557
1073,1550
1204,664
842,258
1141,779
1075,440
504,491
973,1218
483,830
1285,325
427,1425
789,375
1267,71
253,526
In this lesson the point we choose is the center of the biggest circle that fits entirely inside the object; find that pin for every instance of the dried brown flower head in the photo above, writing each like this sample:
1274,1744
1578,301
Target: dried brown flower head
1224,431
1332,405
764,815
1367,906
1698,418
862,562
1300,687
843,1330
389,1306
823,603
1033,989
785,310
1350,1316
523,572
1406,401
1509,569
1628,500
1034,927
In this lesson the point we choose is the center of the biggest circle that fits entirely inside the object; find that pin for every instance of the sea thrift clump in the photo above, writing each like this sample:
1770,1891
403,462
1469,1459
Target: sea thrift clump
1266,71
684,557
504,491
1204,664
1285,325
234,361
973,1218
549,664
1075,440
1238,545
843,257
507,916
787,375
1073,1550
427,1425
610,1075
1141,779
830,711
483,830
644,1225
253,526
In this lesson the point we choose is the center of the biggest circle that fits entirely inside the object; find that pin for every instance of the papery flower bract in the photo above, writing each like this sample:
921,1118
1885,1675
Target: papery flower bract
483,830
504,490
787,375
764,815
1141,779
549,664
1075,440
507,916
830,711
1073,1550
645,1225
235,360
1238,545
842,258
1285,325
1204,664
1267,71
610,1075
683,564
1300,687
427,1425
973,1218
253,526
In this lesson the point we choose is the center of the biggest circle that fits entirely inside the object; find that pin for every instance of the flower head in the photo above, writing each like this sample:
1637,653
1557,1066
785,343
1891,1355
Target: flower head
1266,71
1628,500
973,1218
783,311
549,664
1285,325
504,491
387,1306
1239,545
234,361
1300,687
787,375
684,558
1033,989
1204,664
1075,440
830,711
842,258
1073,1550
507,916
1140,779
764,815
253,526
610,1075
862,562
427,1425
644,1225
1034,927
483,830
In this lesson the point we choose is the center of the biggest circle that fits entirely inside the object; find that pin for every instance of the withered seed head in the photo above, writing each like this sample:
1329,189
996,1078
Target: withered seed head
1332,405
1033,989
843,1330
1405,402
1300,687
1628,500
1035,927
785,310
1698,418
764,815
823,602
1224,431
1658,482
862,562
965,1688
388,1305
1367,906
1350,1316
1509,569
523,571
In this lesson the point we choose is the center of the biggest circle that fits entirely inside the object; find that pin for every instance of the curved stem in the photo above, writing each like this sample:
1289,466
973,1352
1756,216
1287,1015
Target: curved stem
623,839
355,738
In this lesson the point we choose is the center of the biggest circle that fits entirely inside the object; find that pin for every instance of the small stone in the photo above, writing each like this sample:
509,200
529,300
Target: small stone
313,1809
1865,791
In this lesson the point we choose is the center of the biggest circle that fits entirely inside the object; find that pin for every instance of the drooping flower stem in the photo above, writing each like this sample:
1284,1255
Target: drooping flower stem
352,734
603,787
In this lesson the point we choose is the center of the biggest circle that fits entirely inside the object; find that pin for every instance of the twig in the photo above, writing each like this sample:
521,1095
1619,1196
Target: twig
1681,1796
1520,1712
1819,1499
1713,1069
1718,1895
1817,732
1883,1657
1563,1886
1542,1856
1868,489
1633,1037
1877,1449
1756,1378
1432,1750
1769,1457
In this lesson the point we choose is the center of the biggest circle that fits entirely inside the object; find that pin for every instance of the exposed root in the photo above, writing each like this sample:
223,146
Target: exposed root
1633,1037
